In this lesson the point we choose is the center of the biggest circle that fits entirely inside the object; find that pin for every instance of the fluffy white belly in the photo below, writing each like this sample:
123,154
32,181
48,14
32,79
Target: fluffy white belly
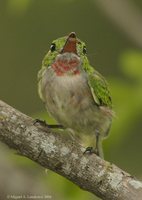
69,100
67,95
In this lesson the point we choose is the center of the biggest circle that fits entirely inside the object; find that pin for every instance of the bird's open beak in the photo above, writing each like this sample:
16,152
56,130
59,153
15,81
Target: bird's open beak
70,45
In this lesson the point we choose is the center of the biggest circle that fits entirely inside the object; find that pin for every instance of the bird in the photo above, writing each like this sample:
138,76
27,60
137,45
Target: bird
74,93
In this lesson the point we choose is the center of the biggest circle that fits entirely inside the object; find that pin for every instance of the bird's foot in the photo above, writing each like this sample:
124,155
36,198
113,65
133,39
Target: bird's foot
43,123
91,150
39,121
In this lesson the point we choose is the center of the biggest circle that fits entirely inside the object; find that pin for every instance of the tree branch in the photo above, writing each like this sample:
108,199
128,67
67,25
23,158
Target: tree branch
62,154
126,15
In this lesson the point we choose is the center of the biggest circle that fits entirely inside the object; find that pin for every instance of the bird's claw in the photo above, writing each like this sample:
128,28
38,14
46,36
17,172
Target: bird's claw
39,121
91,150
43,123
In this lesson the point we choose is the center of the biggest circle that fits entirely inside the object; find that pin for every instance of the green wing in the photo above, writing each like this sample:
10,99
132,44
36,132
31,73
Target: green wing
99,89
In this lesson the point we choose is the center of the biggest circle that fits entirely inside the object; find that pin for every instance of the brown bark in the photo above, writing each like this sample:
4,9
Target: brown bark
62,154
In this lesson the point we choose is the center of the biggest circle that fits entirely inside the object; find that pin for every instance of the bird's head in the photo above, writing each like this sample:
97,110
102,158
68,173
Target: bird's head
66,55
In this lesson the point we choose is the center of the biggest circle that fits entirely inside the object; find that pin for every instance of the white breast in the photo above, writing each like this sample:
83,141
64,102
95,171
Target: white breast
65,95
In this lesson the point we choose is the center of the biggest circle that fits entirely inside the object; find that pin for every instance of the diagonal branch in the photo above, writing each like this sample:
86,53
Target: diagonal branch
62,154
126,15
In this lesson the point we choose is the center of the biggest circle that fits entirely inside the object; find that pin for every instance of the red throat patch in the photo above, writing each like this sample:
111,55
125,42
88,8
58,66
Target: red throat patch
65,64
63,67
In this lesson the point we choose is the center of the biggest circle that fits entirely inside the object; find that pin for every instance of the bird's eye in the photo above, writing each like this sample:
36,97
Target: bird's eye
52,47
84,50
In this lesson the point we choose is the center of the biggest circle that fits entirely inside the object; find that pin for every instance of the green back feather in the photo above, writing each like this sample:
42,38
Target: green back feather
99,89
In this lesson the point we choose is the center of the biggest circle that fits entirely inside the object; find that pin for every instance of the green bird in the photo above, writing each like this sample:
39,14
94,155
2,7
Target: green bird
74,93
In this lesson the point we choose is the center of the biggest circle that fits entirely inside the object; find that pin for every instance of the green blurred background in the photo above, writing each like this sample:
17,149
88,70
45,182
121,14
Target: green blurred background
112,31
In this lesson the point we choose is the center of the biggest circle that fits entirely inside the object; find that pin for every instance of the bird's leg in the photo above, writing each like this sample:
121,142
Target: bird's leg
98,148
97,145
43,123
